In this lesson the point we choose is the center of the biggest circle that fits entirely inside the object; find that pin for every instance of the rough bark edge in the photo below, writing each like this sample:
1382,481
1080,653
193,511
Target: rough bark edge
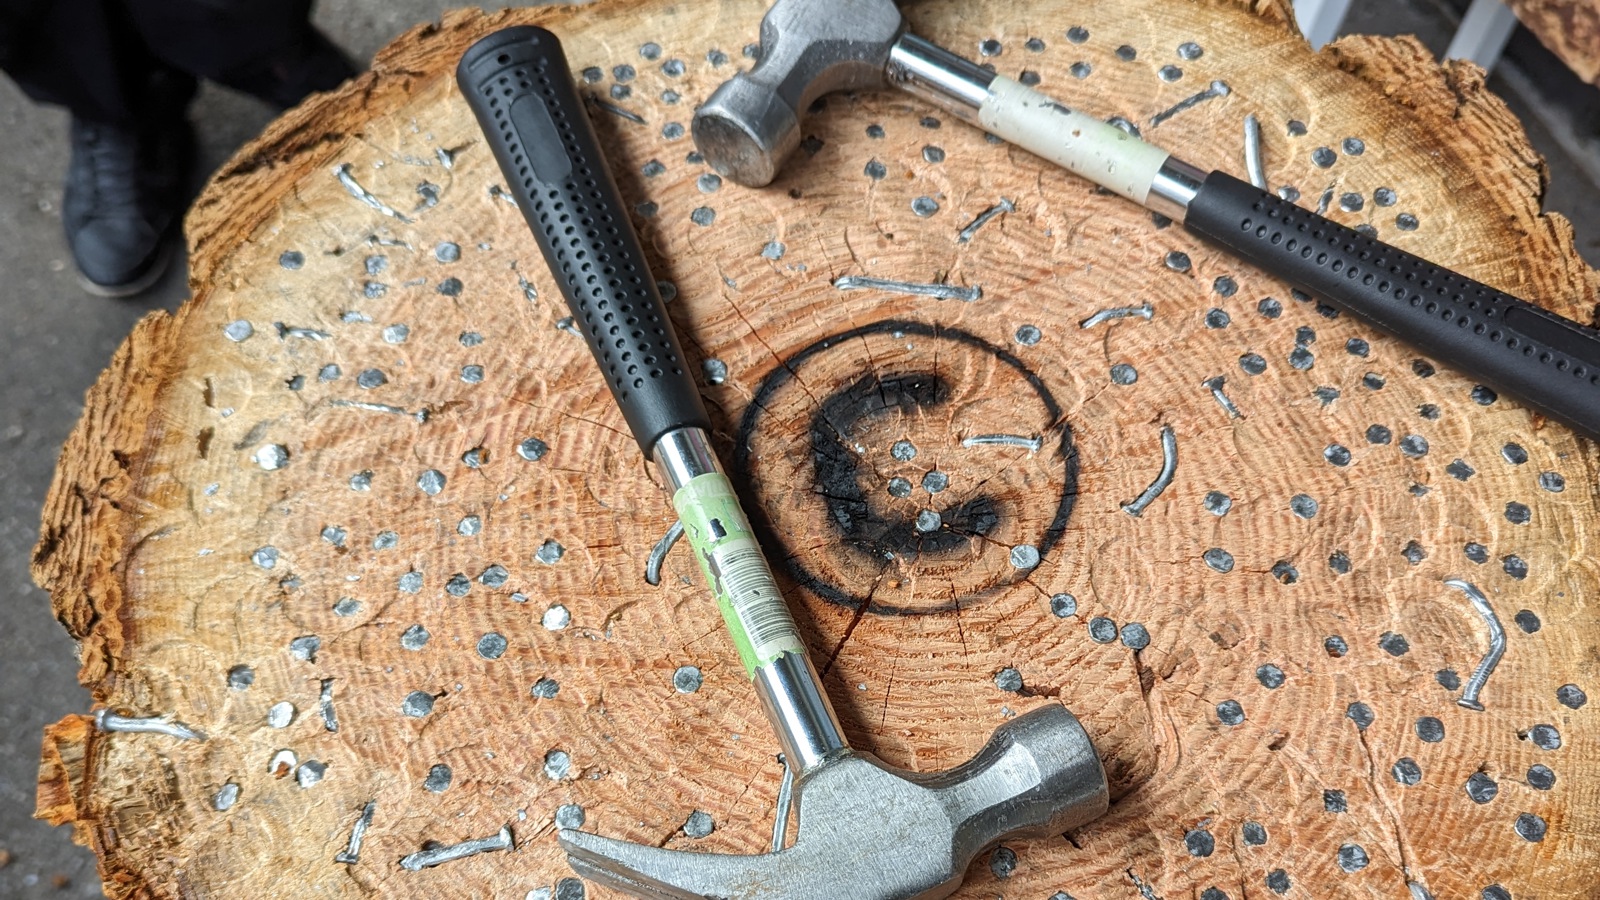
1279,11
63,773
66,777
1459,90
84,526
1569,29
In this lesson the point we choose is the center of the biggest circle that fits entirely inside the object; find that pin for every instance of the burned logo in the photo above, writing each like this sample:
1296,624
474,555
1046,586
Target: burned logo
909,467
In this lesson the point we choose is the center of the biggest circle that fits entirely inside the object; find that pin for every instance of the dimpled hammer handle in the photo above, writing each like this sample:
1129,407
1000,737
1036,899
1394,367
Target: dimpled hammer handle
1552,363
519,86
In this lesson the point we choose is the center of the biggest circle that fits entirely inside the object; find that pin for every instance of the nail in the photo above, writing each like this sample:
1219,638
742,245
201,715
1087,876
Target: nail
1252,151
1497,643
423,859
1215,385
1144,311
941,291
1216,89
617,110
352,853
342,172
329,720
652,566
780,826
1004,206
1010,440
106,720
1169,465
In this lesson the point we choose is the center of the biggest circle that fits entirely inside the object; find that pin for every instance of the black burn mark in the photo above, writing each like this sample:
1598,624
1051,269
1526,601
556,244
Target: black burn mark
860,523
837,474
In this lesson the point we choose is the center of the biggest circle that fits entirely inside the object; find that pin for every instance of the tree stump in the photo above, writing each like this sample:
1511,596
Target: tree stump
363,515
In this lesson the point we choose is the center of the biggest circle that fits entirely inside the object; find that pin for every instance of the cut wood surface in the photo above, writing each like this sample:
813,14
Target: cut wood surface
364,516
1569,28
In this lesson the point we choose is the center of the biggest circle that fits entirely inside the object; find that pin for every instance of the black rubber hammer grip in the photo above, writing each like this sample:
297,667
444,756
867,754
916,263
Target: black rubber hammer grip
1551,363
520,88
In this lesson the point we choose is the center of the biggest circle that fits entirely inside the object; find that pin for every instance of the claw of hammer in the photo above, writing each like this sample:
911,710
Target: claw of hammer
869,831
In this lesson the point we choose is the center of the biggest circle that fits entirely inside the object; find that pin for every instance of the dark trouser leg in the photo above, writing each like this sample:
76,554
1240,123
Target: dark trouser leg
131,147
87,56
126,69
267,48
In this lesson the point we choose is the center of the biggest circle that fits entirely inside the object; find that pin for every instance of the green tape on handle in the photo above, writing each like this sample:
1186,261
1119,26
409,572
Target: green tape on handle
737,571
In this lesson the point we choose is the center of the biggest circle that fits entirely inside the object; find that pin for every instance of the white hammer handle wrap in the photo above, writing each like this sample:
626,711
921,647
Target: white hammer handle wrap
1082,144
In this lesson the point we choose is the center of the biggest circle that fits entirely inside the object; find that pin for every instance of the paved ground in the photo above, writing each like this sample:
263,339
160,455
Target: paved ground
58,339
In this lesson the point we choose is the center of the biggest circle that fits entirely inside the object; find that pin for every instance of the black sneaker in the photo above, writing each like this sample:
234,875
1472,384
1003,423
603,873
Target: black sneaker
123,202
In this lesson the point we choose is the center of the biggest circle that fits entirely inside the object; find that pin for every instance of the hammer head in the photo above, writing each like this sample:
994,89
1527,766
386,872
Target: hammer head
751,124
872,832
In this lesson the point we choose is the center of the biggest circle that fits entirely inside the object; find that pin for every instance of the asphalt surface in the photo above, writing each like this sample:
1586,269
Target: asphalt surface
57,339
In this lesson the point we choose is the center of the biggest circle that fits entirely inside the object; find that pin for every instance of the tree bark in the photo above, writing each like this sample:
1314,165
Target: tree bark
1568,28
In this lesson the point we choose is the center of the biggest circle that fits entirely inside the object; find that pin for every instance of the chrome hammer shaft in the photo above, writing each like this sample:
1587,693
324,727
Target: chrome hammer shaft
785,681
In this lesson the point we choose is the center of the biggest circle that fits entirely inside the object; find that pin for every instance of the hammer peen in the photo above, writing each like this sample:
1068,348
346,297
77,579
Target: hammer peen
866,830
751,124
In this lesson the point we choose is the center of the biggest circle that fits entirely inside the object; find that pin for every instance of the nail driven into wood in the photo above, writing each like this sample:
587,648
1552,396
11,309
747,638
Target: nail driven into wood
1215,89
329,720
351,854
421,415
1497,644
658,555
1004,206
780,825
1144,311
617,110
1252,152
940,291
424,859
295,331
106,720
342,172
1007,440
1215,386
1169,465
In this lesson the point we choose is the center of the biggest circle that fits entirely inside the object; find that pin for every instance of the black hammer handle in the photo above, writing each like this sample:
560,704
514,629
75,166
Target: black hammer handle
520,88
1551,363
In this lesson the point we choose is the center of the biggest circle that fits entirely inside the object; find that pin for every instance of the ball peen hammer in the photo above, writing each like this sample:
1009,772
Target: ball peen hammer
751,124
867,830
